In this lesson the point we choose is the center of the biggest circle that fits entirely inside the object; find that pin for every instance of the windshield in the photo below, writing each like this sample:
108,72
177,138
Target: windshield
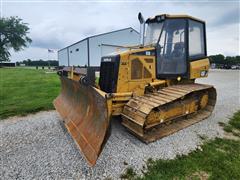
153,32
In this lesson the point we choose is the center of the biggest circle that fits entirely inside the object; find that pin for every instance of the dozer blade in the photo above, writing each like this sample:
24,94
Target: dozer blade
85,114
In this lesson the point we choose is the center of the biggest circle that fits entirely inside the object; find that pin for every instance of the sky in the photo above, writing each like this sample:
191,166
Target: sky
54,24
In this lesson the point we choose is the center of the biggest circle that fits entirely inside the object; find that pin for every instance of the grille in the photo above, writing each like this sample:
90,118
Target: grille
109,75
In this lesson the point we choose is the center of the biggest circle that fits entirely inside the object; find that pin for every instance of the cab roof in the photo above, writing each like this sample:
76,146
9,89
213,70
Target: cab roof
168,16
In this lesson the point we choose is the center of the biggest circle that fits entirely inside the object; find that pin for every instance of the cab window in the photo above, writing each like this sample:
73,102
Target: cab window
196,40
172,51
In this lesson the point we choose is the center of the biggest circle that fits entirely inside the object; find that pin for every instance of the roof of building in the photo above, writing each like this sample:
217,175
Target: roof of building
99,35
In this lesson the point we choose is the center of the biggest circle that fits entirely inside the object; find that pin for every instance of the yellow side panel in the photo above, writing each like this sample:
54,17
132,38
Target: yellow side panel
135,72
122,83
138,78
199,69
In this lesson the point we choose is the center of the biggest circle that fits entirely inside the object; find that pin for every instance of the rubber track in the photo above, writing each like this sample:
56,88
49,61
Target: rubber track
136,110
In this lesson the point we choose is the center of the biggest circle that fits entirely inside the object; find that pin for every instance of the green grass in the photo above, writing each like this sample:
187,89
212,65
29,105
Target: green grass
129,174
24,91
233,126
217,159
97,80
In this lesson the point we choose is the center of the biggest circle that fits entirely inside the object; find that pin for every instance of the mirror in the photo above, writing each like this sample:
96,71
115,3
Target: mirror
140,18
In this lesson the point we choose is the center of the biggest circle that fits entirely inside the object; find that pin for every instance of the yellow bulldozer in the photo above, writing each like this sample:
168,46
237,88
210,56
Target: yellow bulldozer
150,86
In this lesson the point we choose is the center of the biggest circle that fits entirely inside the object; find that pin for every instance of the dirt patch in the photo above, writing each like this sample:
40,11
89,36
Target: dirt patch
230,136
202,175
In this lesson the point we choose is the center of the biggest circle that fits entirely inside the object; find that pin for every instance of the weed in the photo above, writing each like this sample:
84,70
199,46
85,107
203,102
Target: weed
129,174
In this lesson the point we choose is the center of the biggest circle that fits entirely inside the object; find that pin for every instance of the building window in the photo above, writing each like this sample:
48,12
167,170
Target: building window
77,49
70,51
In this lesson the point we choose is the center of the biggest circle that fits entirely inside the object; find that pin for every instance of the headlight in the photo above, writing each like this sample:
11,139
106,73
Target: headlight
203,73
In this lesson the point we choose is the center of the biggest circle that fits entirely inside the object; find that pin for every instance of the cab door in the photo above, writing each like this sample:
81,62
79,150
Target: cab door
171,50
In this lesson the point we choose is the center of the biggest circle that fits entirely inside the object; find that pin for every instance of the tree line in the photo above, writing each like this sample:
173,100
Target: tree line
224,62
40,62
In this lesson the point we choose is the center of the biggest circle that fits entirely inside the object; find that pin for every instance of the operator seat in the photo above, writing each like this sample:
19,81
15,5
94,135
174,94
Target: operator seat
178,56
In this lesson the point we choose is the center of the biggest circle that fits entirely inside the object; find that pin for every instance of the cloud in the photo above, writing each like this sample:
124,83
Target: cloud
220,41
230,17
56,25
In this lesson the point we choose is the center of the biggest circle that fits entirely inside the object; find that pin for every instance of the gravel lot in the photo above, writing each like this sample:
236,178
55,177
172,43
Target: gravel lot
36,146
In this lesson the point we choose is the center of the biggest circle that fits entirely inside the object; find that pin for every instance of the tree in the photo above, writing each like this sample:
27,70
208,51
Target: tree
225,62
217,59
13,34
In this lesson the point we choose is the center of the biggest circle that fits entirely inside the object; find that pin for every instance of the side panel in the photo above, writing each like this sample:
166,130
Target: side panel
126,37
122,83
135,73
78,55
199,68
63,57
107,49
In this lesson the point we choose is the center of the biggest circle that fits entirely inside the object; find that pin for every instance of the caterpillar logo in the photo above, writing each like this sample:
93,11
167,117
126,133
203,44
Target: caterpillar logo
107,59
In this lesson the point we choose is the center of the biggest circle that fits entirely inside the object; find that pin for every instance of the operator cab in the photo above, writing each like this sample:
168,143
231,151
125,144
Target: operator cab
178,41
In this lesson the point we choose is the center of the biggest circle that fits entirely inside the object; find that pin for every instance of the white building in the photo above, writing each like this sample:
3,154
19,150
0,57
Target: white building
90,50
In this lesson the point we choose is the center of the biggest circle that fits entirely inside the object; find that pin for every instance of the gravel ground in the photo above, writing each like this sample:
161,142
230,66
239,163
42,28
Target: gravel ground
37,146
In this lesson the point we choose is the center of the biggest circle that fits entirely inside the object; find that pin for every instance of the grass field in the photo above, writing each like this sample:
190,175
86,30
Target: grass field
24,91
216,159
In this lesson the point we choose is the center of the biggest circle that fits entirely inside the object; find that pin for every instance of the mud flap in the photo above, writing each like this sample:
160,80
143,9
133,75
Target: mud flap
85,114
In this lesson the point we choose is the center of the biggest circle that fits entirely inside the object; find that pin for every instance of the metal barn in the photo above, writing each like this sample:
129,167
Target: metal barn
90,50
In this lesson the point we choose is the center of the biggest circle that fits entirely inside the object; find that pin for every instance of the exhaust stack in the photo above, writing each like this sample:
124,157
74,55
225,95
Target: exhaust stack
142,28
